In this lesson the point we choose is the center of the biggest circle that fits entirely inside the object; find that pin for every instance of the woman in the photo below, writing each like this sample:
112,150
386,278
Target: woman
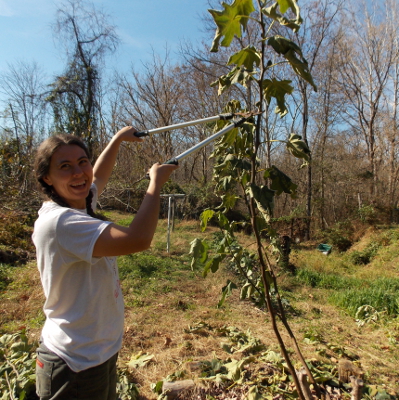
76,256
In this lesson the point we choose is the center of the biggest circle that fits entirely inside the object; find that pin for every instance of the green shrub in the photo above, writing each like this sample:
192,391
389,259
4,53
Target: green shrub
367,214
339,236
15,237
359,258
364,257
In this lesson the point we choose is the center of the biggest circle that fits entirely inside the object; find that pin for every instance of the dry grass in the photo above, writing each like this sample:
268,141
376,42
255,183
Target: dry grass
158,323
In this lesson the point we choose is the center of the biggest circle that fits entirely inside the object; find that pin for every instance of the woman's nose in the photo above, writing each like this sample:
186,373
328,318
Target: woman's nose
77,170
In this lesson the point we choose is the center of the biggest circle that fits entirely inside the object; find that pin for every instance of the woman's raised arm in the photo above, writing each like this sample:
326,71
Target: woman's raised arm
118,240
105,163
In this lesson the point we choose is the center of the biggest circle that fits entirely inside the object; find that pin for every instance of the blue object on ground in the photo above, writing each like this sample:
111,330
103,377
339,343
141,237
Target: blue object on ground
324,248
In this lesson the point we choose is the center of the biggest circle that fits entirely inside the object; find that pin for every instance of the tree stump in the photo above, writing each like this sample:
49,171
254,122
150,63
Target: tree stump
303,381
357,388
346,369
174,389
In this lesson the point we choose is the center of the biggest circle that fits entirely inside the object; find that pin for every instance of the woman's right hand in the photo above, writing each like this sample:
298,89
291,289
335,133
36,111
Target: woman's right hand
160,173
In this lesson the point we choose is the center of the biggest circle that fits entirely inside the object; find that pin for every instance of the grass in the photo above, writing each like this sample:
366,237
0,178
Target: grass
351,293
5,276
171,309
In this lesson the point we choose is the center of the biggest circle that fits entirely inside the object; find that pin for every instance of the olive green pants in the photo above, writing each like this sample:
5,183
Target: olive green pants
56,381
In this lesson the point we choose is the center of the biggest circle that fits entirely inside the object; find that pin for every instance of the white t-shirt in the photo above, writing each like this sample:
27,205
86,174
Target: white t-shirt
84,304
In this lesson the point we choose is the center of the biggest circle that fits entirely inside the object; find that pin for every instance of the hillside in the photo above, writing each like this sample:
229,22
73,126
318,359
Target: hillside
174,329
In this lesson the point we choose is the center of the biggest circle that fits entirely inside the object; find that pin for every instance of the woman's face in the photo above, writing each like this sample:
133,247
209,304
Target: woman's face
71,175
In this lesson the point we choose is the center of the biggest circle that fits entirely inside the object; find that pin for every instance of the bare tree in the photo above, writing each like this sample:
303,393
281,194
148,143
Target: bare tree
367,54
314,38
87,37
23,88
23,125
390,130
153,98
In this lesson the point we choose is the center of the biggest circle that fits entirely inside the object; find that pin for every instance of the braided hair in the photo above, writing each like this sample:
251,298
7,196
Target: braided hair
42,167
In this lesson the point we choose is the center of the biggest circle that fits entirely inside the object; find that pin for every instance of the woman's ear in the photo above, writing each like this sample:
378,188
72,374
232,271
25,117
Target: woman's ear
47,180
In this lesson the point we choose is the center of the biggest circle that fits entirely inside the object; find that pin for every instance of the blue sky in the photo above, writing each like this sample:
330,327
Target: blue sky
141,25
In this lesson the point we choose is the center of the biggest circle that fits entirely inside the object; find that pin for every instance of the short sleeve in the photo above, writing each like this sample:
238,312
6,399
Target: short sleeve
77,234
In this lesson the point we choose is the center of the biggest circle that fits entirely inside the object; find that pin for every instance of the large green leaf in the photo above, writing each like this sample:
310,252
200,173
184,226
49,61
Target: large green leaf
282,45
226,183
205,217
232,164
226,291
278,90
236,370
199,251
298,148
301,68
246,57
229,21
293,54
284,5
247,291
229,200
280,181
264,198
237,75
229,138
213,264
225,163
224,222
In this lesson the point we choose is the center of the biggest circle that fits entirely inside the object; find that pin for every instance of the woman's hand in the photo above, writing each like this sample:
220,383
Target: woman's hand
160,173
127,134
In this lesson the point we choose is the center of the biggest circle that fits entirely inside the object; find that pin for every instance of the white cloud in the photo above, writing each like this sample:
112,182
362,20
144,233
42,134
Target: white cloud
129,40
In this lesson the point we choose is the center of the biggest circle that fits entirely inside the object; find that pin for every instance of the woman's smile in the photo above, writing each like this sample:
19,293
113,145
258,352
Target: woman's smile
70,175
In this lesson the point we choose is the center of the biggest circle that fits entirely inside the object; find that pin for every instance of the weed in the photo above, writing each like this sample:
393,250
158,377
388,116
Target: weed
325,280
38,320
378,296
181,305
134,303
5,279
17,367
352,293
311,336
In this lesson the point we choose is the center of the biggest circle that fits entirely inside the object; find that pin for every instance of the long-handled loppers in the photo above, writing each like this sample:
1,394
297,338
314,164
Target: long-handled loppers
240,119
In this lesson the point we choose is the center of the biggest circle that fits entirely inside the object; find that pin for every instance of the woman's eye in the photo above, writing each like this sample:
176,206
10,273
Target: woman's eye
64,166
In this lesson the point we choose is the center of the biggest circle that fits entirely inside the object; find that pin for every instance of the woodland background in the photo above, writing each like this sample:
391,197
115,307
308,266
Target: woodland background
351,124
